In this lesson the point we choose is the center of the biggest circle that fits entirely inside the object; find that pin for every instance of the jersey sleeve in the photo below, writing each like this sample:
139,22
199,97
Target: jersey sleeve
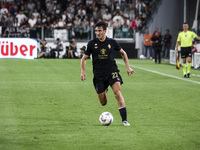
194,35
179,37
116,45
88,50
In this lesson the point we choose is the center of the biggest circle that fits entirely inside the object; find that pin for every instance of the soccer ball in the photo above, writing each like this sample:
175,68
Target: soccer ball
142,57
106,118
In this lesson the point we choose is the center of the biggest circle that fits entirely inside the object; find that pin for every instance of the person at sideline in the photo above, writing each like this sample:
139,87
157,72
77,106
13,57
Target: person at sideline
72,48
147,43
156,41
185,40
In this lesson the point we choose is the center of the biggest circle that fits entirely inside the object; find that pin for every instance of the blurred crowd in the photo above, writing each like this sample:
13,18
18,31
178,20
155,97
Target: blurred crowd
37,19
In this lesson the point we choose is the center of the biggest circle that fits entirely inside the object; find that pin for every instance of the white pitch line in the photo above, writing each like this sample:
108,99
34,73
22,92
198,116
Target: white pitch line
160,73
197,75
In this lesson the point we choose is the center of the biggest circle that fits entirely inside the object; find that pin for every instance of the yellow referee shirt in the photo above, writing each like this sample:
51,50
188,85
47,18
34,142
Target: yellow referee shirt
186,38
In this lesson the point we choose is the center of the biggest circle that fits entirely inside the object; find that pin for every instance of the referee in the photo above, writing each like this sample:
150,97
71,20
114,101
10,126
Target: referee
105,69
185,40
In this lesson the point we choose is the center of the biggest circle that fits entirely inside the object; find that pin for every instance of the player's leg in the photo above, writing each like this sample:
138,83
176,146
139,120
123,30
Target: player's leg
103,98
150,52
72,54
146,47
184,60
159,56
156,54
69,54
168,49
118,94
164,51
101,89
116,87
183,56
184,67
41,54
189,59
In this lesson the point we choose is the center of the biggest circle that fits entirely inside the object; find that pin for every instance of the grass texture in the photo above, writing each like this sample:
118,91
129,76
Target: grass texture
45,106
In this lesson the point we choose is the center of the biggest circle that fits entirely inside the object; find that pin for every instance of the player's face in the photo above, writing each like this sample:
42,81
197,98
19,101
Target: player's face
185,27
100,33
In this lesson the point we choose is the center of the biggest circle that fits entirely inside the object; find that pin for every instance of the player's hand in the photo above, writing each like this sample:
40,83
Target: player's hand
83,76
130,71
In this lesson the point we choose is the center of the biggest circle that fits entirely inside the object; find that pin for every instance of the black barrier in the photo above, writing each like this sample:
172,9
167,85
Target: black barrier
129,48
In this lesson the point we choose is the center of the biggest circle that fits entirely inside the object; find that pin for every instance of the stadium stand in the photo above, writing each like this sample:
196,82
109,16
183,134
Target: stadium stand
67,19
75,16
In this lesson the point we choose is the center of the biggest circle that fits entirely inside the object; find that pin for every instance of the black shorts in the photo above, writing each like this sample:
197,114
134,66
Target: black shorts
101,83
186,52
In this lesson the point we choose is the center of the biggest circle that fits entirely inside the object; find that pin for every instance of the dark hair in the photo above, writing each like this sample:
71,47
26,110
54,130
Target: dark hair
101,24
83,48
185,23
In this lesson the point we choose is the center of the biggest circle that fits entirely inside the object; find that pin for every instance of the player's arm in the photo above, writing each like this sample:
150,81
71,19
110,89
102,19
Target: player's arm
177,44
83,64
125,58
197,37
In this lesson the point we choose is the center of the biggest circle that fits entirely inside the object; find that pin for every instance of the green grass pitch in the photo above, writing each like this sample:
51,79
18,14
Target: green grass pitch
45,106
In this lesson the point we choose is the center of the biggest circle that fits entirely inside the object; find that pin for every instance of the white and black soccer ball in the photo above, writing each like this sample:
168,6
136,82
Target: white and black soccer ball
142,57
106,118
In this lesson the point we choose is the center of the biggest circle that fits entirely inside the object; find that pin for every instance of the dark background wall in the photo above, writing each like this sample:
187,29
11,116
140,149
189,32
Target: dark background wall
191,10
169,15
129,49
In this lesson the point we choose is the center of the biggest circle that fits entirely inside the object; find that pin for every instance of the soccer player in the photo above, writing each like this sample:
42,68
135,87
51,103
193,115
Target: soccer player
105,69
185,40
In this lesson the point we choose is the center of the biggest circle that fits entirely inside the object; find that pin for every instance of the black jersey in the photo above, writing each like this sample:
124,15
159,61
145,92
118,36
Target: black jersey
156,38
102,55
167,39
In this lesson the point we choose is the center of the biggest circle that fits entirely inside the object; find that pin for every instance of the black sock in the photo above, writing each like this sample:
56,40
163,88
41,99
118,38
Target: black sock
123,113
